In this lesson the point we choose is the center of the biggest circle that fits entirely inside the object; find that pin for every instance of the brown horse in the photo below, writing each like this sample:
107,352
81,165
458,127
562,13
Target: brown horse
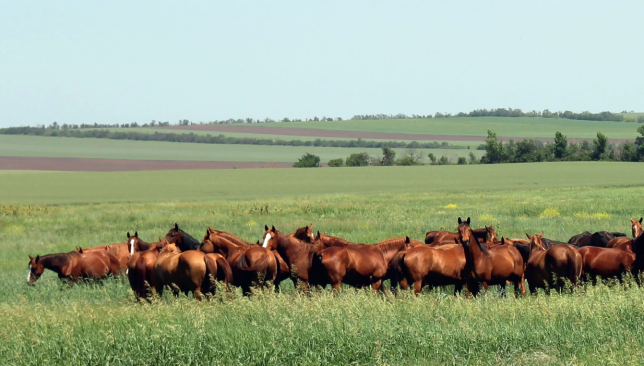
250,264
432,266
361,265
183,240
74,266
135,244
188,271
493,266
549,268
445,237
304,234
120,250
141,266
636,227
298,256
606,262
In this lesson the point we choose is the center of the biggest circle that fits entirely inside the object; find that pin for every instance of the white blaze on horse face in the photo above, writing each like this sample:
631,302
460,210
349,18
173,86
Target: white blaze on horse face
131,246
29,273
266,239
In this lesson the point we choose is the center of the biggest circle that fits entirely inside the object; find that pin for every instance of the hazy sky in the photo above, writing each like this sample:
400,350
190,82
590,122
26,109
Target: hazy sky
119,62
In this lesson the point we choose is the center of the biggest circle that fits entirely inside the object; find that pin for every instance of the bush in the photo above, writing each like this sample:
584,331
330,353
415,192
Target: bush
335,163
444,161
407,161
462,160
640,119
307,161
361,159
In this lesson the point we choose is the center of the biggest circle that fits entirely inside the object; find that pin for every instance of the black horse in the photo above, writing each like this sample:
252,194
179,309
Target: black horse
182,239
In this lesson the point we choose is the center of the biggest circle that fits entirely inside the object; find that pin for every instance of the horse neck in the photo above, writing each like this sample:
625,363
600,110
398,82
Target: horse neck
390,248
55,262
290,246
143,245
234,239
187,240
225,246
473,250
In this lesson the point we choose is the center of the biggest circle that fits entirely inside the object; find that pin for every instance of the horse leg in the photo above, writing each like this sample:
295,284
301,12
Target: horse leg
458,287
502,285
377,285
418,285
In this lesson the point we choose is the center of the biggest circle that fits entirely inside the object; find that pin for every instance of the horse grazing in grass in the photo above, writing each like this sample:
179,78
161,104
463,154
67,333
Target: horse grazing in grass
250,264
361,265
189,271
612,262
74,266
493,266
141,266
549,268
431,266
298,256
486,234
183,240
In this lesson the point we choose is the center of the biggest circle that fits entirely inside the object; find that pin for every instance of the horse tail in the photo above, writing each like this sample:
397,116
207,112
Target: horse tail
137,277
574,267
257,267
396,269
224,272
524,250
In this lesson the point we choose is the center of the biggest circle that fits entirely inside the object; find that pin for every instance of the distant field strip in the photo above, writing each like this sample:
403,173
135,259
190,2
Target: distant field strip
69,147
235,184
441,128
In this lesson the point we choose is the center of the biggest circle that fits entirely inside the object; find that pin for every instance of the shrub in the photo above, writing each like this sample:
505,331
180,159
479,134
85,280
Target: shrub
334,163
407,161
462,160
361,159
307,161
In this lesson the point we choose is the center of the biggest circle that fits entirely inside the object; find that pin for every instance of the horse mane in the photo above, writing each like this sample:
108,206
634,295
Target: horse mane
144,245
391,244
524,250
57,259
481,247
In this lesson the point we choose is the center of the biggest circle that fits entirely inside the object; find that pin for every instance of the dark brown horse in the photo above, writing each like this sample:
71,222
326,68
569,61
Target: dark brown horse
141,266
250,264
432,266
183,240
189,271
606,262
445,237
549,268
298,256
74,266
489,267
597,239
361,265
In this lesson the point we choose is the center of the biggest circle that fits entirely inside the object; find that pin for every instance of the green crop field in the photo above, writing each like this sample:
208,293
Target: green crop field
52,323
68,147
522,127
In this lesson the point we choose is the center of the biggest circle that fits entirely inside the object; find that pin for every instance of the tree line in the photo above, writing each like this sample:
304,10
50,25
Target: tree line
219,139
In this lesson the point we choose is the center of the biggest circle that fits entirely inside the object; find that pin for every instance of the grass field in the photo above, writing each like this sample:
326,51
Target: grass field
523,127
101,323
64,147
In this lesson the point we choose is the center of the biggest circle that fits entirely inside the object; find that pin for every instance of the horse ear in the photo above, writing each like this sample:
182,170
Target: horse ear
526,234
265,227
641,218
31,258
257,242
468,221
311,226
128,234
407,241
176,227
491,226
541,235
273,228
459,220
37,258
136,234
80,250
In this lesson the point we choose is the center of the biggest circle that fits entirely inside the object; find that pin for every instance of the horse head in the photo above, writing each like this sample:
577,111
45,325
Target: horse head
270,236
36,269
491,233
535,241
134,244
637,227
465,231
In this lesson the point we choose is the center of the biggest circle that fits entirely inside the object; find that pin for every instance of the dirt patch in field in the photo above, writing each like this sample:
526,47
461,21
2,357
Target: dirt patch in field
114,165
353,134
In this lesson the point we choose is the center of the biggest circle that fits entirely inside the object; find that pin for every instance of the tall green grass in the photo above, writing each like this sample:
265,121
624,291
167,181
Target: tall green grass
101,323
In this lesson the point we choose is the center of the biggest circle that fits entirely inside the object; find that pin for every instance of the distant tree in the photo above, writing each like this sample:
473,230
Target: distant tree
640,119
493,148
307,161
462,160
388,156
334,163
473,159
444,161
432,158
560,145
413,153
599,145
360,159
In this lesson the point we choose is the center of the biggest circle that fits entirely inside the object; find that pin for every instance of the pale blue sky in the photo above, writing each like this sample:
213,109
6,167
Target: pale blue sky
118,62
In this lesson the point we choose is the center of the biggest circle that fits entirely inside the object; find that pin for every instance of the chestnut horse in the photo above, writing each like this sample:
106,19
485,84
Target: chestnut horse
140,268
304,234
135,244
298,256
445,237
250,264
606,262
432,266
74,266
120,250
188,271
493,266
183,240
361,265
636,227
549,268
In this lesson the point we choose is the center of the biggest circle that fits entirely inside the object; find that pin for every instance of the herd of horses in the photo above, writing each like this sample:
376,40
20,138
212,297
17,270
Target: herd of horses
468,258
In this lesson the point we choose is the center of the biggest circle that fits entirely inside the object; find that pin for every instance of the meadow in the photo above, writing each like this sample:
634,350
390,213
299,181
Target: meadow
67,147
53,323
523,127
